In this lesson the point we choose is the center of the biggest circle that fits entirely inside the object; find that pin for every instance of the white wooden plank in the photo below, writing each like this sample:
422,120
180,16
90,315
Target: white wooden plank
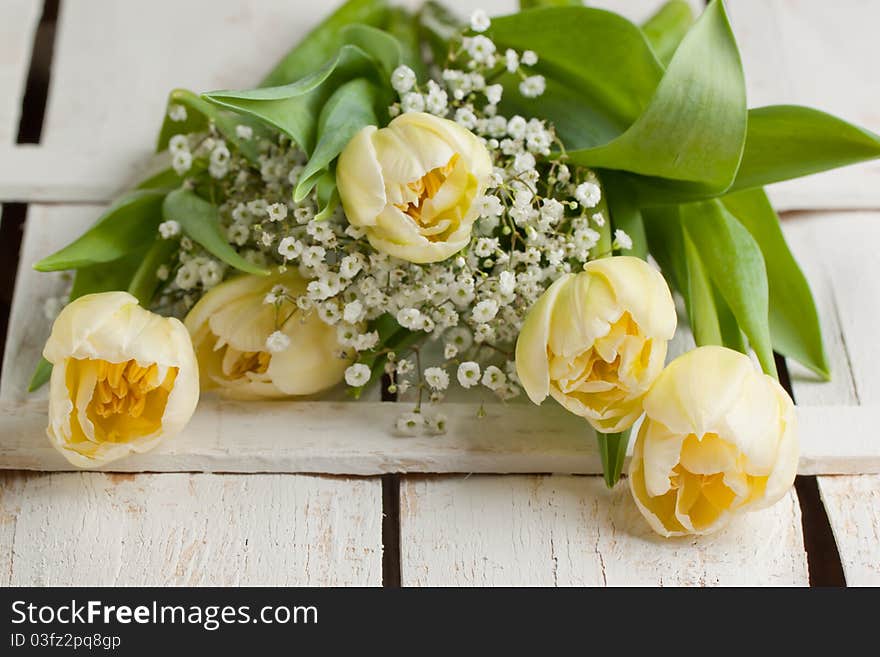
853,507
815,53
91,529
357,438
109,87
572,531
18,23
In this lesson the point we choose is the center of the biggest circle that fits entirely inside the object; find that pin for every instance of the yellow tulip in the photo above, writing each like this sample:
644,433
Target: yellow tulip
249,348
719,437
596,341
413,185
123,379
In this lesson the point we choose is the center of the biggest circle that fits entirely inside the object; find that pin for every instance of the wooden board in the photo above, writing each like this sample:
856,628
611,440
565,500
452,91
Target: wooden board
815,53
853,506
572,531
18,22
91,529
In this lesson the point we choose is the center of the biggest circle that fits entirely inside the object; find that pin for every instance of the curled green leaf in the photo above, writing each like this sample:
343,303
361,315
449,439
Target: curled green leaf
200,220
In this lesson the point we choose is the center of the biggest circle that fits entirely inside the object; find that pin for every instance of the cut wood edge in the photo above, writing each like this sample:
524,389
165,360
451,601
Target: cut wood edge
351,438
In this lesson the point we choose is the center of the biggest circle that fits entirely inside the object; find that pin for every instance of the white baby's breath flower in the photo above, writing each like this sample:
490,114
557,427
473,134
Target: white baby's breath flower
51,307
187,276
436,100
366,341
277,212
622,241
313,256
211,274
533,86
479,21
493,93
353,312
437,378
529,58
410,318
357,375
493,378
238,234
404,367
169,229
511,60
507,282
181,162
435,424
178,144
480,48
412,102
162,273
598,219
277,342
516,127
290,248
468,374
402,79
450,351
244,132
177,112
588,194
409,424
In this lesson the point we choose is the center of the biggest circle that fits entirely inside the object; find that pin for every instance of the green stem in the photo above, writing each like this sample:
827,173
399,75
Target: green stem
612,450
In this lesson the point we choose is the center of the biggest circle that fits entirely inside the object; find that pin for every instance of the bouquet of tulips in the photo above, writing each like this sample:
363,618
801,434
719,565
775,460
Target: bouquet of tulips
502,206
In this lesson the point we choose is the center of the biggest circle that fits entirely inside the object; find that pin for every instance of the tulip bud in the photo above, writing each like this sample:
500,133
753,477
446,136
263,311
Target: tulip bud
596,341
413,185
719,438
123,379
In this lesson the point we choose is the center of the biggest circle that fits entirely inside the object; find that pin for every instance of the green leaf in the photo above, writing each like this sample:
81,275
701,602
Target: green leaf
145,282
735,265
322,42
692,133
794,320
666,243
328,195
438,27
348,110
295,108
666,28
599,69
166,179
378,44
108,276
612,450
625,213
532,4
125,226
40,377
404,27
787,141
201,221
699,298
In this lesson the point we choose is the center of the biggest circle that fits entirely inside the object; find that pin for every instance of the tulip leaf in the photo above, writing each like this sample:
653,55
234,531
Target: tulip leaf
787,141
699,298
794,320
598,65
321,43
666,28
625,214
145,281
350,108
735,265
125,226
166,179
200,220
295,108
40,377
692,132
439,28
404,27
666,243
379,44
612,450
328,195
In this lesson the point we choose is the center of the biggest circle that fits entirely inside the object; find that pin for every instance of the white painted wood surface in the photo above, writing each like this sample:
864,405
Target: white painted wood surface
815,53
572,531
18,22
853,506
91,529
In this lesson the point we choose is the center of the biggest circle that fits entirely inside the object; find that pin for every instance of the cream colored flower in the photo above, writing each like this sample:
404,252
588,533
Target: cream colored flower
250,346
413,185
597,340
123,379
719,437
